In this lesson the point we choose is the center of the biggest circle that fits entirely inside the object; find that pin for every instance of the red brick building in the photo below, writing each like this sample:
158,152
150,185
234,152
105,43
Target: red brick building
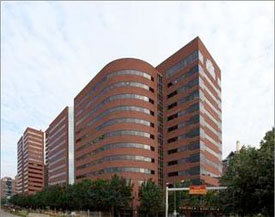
116,125
59,149
8,187
192,115
138,121
30,162
142,122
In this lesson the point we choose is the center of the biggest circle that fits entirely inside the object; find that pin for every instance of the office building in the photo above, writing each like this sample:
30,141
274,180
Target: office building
116,125
8,187
137,121
143,122
59,149
192,116
30,162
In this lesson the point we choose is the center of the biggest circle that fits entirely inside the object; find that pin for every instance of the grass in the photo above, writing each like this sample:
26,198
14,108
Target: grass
22,213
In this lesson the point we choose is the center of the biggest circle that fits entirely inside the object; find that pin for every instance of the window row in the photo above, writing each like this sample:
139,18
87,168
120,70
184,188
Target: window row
112,98
115,133
193,120
189,172
62,151
203,74
210,115
182,63
210,92
185,87
110,75
207,173
124,120
206,100
116,146
191,96
190,109
191,146
211,163
50,136
57,140
57,124
118,170
117,158
34,133
29,138
209,150
116,85
191,159
120,109
130,72
190,134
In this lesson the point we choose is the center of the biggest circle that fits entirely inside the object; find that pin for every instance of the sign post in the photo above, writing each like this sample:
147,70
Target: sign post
188,189
197,190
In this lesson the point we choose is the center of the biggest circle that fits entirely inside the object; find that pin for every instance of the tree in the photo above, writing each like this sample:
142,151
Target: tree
119,193
97,195
250,178
265,182
151,198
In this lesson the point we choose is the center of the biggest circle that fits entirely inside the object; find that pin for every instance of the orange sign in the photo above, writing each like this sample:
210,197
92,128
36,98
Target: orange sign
197,189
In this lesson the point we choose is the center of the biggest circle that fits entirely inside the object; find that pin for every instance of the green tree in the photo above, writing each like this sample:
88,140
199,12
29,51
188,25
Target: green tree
265,175
151,198
119,194
250,180
98,195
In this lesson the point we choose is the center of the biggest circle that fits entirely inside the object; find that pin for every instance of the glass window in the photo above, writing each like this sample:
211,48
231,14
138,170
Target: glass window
115,133
120,108
182,63
117,158
118,170
124,120
112,98
104,79
113,86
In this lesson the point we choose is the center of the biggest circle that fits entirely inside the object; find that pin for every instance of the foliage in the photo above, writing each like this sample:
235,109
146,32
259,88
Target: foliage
120,193
99,195
250,180
151,198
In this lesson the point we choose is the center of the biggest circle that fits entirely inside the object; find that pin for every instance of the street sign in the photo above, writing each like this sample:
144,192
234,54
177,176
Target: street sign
197,189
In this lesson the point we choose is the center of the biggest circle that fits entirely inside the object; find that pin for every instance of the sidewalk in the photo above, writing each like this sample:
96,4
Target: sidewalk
37,215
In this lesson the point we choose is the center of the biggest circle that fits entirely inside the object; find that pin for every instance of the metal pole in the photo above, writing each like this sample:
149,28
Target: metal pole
175,195
166,202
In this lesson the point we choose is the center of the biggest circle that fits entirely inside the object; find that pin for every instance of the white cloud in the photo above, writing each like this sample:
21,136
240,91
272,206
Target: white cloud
51,50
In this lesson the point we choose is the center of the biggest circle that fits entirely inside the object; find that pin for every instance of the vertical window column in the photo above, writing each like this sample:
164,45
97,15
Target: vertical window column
160,130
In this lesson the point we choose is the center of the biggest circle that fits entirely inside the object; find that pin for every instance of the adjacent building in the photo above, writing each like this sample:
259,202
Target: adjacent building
59,149
8,187
192,116
116,124
230,156
30,162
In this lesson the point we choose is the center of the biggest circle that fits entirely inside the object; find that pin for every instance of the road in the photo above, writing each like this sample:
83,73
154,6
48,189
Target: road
5,214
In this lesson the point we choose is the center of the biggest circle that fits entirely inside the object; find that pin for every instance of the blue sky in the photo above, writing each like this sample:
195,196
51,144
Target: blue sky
51,50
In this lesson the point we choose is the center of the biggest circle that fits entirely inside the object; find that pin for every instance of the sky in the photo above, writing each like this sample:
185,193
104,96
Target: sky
51,50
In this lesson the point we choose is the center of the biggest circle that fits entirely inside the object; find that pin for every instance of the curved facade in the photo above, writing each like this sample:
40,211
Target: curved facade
116,124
